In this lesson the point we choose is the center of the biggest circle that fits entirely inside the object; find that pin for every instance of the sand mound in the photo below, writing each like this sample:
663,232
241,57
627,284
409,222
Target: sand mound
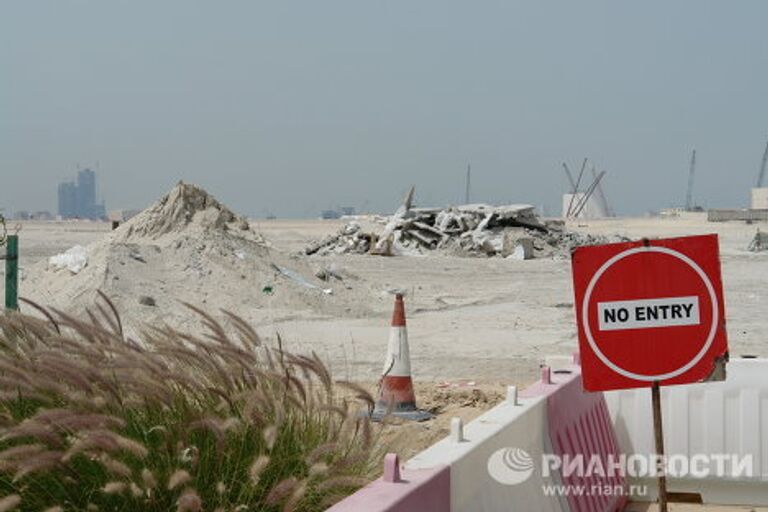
188,247
183,207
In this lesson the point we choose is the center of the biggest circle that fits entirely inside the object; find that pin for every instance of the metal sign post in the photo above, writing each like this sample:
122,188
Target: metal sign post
658,433
12,273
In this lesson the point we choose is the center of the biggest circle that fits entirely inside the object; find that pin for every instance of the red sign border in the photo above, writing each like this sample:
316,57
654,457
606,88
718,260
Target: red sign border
706,265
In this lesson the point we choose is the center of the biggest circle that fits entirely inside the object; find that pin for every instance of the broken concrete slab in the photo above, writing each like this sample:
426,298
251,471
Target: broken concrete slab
759,242
470,230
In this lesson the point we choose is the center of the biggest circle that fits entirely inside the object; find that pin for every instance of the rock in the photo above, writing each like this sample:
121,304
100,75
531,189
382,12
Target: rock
522,249
555,225
510,241
146,300
328,273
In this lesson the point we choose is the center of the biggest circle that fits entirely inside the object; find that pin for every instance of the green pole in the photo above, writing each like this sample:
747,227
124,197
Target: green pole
12,273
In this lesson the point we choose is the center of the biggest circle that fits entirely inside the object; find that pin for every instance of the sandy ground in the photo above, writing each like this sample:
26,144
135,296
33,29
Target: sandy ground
475,325
468,318
473,318
480,319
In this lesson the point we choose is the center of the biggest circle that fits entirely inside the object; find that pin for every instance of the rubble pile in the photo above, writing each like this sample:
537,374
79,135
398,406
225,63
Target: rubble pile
349,240
559,242
511,231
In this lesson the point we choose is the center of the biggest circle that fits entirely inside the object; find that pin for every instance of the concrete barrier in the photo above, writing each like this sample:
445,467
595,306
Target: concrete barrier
402,491
579,425
553,416
714,419
518,423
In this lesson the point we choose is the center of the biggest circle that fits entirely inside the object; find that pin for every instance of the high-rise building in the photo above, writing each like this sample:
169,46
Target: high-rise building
77,199
67,199
86,194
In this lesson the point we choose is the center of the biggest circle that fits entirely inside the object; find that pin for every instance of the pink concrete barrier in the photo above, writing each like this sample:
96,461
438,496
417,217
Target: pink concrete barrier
580,425
399,490
548,383
552,416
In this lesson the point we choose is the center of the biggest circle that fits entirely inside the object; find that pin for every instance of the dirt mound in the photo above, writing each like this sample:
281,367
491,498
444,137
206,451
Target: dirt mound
188,247
183,207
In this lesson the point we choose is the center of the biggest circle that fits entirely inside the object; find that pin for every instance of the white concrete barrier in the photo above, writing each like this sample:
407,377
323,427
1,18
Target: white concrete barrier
725,421
518,423
718,420
506,426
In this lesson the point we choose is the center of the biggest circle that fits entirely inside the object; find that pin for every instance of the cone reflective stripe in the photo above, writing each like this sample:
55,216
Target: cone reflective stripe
397,385
397,396
398,361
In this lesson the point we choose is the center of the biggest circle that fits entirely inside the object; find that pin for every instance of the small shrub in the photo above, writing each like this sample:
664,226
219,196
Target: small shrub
93,420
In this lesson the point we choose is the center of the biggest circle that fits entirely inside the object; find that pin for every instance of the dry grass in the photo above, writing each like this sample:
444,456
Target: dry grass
92,420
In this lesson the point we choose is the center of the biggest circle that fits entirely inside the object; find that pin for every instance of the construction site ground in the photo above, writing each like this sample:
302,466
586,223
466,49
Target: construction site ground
475,324
469,318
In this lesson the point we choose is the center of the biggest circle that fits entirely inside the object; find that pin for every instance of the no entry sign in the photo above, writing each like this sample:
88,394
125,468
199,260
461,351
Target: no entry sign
649,311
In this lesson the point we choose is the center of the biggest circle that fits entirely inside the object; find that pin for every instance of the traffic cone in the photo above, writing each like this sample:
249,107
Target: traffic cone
396,396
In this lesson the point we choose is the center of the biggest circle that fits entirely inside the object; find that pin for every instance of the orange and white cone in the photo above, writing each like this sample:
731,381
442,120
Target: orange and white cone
396,396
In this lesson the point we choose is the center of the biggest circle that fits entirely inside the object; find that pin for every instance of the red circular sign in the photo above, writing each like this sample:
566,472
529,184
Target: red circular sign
647,312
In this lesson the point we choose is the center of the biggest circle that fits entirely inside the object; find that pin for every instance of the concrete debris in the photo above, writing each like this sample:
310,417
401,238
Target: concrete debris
349,239
74,259
759,242
329,273
517,248
301,280
383,244
511,231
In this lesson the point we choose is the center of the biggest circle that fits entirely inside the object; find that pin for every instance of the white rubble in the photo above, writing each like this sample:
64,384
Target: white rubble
466,230
759,243
74,259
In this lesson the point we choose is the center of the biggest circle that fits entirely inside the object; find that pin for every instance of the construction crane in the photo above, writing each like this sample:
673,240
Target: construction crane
689,194
570,178
601,195
585,197
579,200
761,175
575,188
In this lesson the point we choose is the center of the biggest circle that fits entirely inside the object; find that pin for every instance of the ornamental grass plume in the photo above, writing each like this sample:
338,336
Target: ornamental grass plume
91,419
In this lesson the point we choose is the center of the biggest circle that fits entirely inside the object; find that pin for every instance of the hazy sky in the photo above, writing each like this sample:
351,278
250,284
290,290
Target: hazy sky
294,107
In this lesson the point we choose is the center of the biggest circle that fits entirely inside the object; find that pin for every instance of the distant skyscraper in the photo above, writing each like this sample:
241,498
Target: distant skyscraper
86,194
78,199
67,199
